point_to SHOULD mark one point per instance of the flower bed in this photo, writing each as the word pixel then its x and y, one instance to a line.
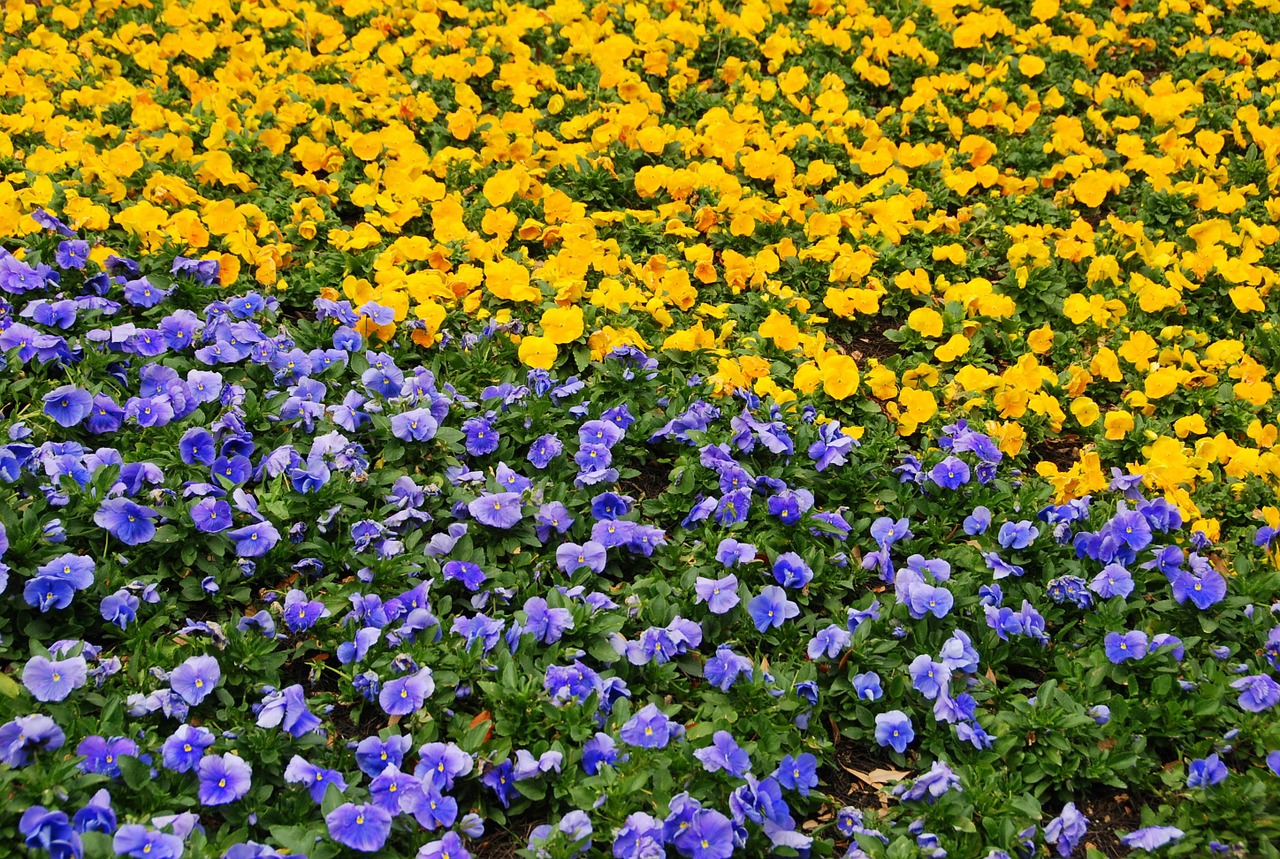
pixel 639 431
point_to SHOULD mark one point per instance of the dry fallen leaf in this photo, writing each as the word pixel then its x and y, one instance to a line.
pixel 877 777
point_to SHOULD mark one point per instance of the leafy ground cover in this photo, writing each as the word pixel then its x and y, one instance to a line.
pixel 551 429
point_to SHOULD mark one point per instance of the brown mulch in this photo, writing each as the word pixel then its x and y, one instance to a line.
pixel 653 480
pixel 1063 451
pixel 842 780
pixel 503 842
pixel 869 343
pixel 1110 813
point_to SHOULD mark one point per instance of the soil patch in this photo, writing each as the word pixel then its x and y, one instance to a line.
pixel 1110 813
pixel 1062 450
pixel 870 342
pixel 504 842
pixel 653 480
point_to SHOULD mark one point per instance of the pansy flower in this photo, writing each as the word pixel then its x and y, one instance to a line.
pixel 185 747
pixel 709 835
pixel 771 608
pixel 407 694
pixel 195 678
pixel 480 436
pixel 373 754
pixel 1258 692
pixel 255 540
pixel 1066 830
pixel 301 613
pixel 867 686
pixel 1125 646
pixel 724 669
pixel 649 728
pixel 102 755
pixel 830 642
pixel 571 557
pixel 54 679
pixel 431 808
pixel 951 473
pixel 315 779
pixel 720 595
pixel 138 842
pixel 442 763
pixel 68 405
pixel 22 737
pixel 1203 587
pixel 501 780
pixel 790 570
pixel 130 523
pixel 499 510
pixel 1017 535
pixel 363 827
pixel 96 815
pixel 894 729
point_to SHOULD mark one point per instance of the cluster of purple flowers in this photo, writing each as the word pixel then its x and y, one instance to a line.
pixel 318 470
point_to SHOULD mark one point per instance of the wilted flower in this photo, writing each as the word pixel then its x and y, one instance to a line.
pixel 1152 837
pixel 1066 830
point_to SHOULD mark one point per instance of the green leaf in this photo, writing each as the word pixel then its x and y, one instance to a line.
pixel 531 789
pixel 136 774
pixel 298 840
pixel 332 799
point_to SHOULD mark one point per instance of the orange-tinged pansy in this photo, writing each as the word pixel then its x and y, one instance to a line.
pixel 509 280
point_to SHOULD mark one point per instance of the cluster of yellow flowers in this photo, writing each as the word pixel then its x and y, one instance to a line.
pixel 1065 218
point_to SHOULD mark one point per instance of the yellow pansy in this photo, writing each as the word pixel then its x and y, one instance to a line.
pixel 1085 411
pixel 509 280
pixel 538 352
pixel 1118 424
pixel 925 321
pixel 840 375
pixel 562 325
pixel 954 349
pixel 1041 339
